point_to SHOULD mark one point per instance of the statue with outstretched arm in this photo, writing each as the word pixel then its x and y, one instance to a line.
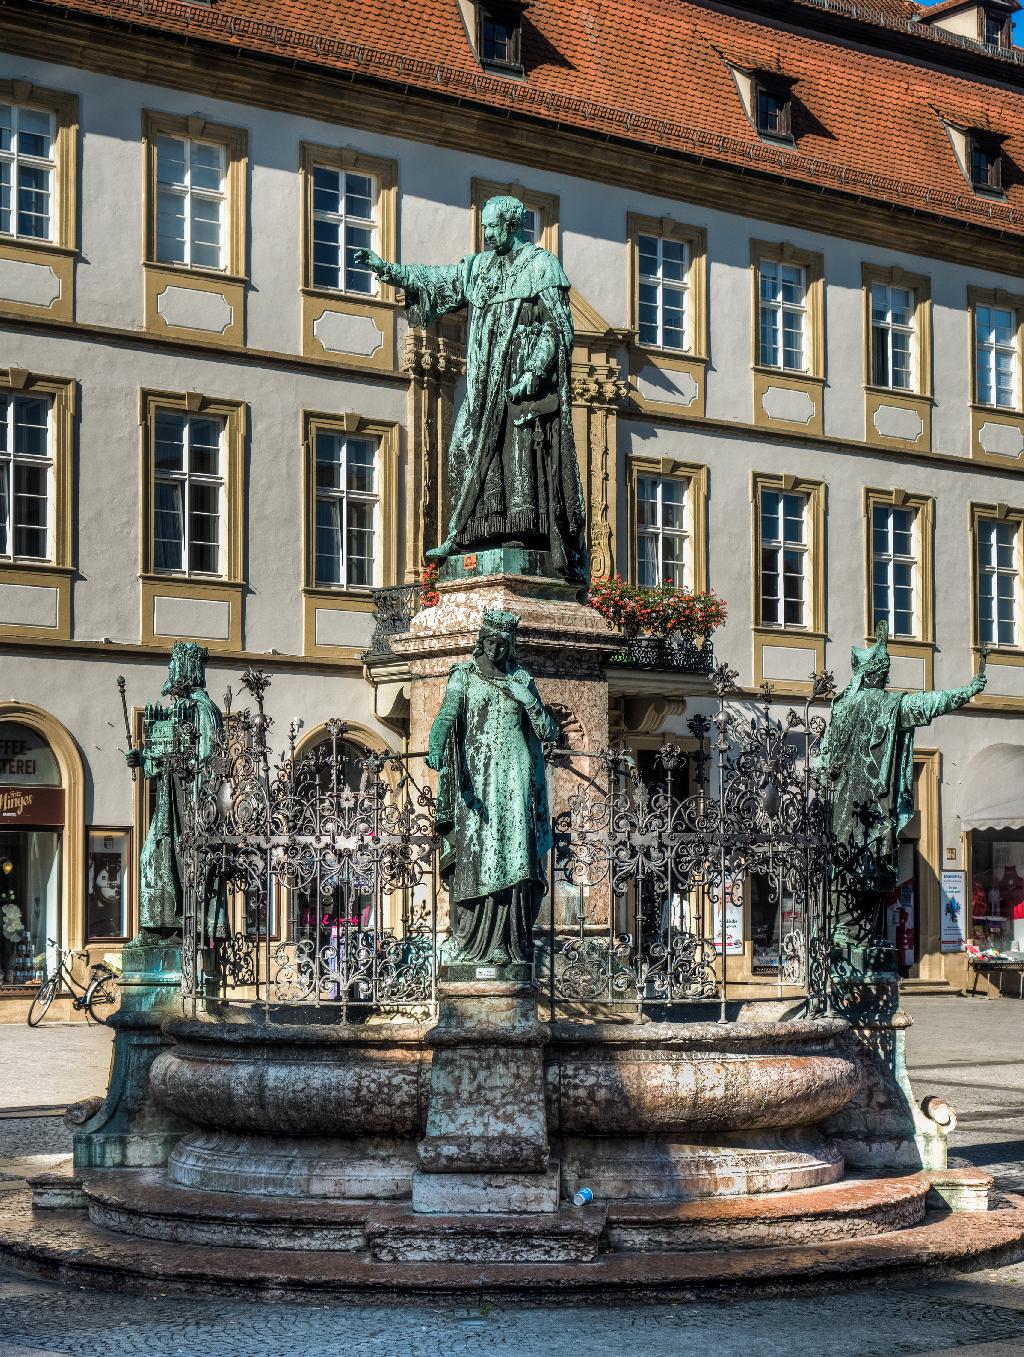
pixel 512 469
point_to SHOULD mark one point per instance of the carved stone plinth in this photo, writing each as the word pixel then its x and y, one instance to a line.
pixel 485 1150
pixel 131 1129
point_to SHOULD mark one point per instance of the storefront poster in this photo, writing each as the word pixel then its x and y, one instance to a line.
pixel 901 922
pixel 733 922
pixel 107 884
pixel 954 892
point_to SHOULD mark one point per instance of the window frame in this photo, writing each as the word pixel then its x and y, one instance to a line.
pixel 997 513
pixel 919 285
pixel 814 552
pixel 64 109
pixel 812 263
pixel 12 460
pixel 695 478
pixel 694 238
pixel 187 478
pixel 782 93
pixel 997 299
pixel 923 508
pixel 509 15
pixel 235 420
pixel 385 435
pixel 235 228
pixel 991 147
pixel 384 174
pixel 344 495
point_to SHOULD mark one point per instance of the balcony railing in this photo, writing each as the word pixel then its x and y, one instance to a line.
pixel 393 610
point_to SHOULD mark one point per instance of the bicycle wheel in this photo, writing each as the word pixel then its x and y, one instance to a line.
pixel 102 998
pixel 44 998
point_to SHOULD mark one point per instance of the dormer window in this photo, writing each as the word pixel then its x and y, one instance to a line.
pixel 997 29
pixel 982 21
pixel 774 110
pixel 499 36
pixel 986 164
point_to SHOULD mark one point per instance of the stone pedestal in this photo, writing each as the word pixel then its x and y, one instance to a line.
pixel 486 1145
pixel 130 1129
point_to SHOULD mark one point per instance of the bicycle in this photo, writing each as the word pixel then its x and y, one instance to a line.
pixel 100 995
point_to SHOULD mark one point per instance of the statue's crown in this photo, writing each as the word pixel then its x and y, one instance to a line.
pixel 500 622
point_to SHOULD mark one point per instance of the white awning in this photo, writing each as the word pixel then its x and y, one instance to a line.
pixel 992 792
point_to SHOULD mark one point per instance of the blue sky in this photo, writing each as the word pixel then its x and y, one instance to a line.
pixel 1018 23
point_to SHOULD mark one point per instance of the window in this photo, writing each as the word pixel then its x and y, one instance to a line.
pixel 343 222
pixel 783 315
pixel 499 37
pixel 894 569
pixel 784 557
pixel 196 211
pixel 662 286
pixel 28 168
pixel 661 531
pixel 26 474
pixel 998 564
pixel 774 111
pixel 892 337
pixel 996 34
pixel 347 500
pixel 188 501
pixel 986 164
pixel 996 356
pixel 191 202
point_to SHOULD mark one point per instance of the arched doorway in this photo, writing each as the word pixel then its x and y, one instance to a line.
pixel 42 801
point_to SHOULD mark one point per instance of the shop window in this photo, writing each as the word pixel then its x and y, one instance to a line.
pixel 997 889
pixel 107 887
pixel 31 830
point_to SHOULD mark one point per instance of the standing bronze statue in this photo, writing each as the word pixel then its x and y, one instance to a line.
pixel 161 889
pixel 513 476
pixel 869 751
pixel 492 803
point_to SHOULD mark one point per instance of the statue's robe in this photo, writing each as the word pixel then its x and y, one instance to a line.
pixel 161 878
pixel 492 812
pixel 512 472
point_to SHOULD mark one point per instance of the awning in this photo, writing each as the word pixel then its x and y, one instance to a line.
pixel 992 792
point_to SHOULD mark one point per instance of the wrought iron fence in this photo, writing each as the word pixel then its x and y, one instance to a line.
pixel 313 878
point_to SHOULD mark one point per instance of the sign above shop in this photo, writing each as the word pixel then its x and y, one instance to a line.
pixel 25 758
pixel 31 805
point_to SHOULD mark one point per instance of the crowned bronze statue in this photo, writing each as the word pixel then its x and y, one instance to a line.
pixel 513 476
pixel 187 724
pixel 492 803
pixel 868 752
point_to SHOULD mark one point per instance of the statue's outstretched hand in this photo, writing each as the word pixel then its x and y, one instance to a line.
pixel 133 758
pixel 371 260
pixel 978 683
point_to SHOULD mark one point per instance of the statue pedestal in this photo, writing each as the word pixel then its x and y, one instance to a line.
pixel 130 1129
pixel 486 1150
pixel 563 643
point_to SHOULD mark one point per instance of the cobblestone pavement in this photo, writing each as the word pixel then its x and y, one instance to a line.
pixel 971 1052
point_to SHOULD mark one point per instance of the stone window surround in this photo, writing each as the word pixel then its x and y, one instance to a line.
pixel 338 597
pixel 766 635
pixel 235 143
pixel 1004 514
pixel 59 252
pixel 57 572
pixel 696 478
pixel 921 646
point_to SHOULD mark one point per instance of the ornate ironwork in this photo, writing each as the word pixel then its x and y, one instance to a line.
pixel 393 610
pixel 684 653
pixel 323 867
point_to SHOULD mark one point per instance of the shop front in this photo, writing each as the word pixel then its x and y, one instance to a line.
pixel 992 816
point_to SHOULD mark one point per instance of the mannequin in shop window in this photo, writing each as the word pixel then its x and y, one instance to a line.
pixel 868 750
pixel 161 893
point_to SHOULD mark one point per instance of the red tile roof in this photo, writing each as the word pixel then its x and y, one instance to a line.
pixel 647 72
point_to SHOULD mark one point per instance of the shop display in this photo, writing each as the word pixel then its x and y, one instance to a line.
pixel 997 891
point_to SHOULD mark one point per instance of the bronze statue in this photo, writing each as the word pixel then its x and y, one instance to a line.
pixel 868 750
pixel 492 804
pixel 161 891
pixel 513 474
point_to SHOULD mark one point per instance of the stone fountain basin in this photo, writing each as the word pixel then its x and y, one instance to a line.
pixel 318 1078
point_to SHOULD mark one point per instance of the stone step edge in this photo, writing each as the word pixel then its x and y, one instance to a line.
pixel 64 1245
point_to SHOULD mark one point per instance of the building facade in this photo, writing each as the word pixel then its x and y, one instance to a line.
pixel 794 235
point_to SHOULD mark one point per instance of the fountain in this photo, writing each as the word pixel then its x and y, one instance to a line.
pixel 460 1020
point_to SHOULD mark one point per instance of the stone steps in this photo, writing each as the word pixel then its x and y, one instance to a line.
pixel 144 1204
pixel 68 1246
